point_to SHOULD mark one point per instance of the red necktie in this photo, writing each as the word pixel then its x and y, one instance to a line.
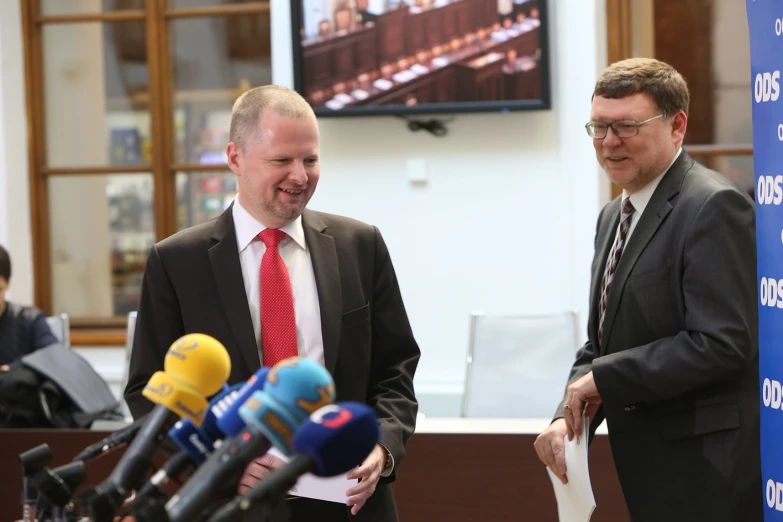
pixel 278 323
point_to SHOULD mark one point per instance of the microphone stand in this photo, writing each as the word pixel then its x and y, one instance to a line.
pixel 32 461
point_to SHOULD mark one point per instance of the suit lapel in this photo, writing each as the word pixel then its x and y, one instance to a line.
pixel 654 214
pixel 227 271
pixel 323 255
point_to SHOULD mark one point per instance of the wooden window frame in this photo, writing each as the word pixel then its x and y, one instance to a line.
pixel 108 331
pixel 618 29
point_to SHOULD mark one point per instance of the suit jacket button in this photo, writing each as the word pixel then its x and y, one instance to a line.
pixel 630 408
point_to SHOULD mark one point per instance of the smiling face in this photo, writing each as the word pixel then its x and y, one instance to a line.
pixel 633 162
pixel 279 169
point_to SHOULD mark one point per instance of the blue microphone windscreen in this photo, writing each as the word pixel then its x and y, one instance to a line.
pixel 227 412
pixel 294 389
pixel 270 418
pixel 209 430
pixel 300 386
pixel 338 437
pixel 188 439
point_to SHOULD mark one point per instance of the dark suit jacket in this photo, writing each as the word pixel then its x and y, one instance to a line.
pixel 678 366
pixel 193 284
pixel 23 330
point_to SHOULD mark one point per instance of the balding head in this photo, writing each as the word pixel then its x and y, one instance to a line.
pixel 250 106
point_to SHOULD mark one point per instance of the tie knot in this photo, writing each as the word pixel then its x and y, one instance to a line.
pixel 271 237
pixel 628 206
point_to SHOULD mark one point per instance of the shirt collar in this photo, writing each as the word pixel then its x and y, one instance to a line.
pixel 642 197
pixel 247 228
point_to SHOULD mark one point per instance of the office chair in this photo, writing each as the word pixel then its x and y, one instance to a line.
pixel 517 365
pixel 60 325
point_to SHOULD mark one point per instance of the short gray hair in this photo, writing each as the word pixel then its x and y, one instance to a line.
pixel 250 106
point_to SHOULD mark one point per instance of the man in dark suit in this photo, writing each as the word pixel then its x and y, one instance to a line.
pixel 671 360
pixel 271 279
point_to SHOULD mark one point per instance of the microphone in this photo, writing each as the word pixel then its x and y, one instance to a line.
pixel 227 412
pixel 294 388
pixel 56 486
pixel 116 440
pixel 32 461
pixel 198 443
pixel 209 429
pixel 195 367
pixel 288 389
pixel 190 440
pixel 195 444
pixel 119 438
pixel 174 466
pixel 334 440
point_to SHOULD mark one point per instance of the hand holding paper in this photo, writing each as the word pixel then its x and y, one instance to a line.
pixel 582 400
pixel 575 500
pixel 550 450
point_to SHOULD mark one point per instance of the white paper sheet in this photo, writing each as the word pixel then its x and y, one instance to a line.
pixel 331 489
pixel 575 500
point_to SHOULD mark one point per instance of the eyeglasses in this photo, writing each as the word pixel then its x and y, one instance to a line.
pixel 621 128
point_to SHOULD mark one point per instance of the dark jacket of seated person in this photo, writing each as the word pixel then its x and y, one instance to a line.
pixel 23 329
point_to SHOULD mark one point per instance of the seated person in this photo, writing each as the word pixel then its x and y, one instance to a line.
pixel 23 329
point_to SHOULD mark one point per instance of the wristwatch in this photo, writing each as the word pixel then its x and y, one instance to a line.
pixel 387 464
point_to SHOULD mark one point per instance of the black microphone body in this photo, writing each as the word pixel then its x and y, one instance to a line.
pixel 176 465
pixel 116 440
pixel 130 472
pixel 32 461
pixel 52 487
pixel 55 489
pixel 217 475
pixel 282 480
pixel 153 510
pixel 276 484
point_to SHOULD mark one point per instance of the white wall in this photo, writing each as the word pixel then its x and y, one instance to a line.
pixel 506 219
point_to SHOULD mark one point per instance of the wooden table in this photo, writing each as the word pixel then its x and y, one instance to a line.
pixel 487 470
pixel 456 470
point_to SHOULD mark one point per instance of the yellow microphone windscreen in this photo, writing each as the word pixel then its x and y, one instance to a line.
pixel 176 396
pixel 200 361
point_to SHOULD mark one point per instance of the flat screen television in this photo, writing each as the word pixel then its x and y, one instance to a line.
pixel 374 57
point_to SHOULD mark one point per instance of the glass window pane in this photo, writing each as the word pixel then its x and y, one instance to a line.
pixel 95 94
pixel 80 7
pixel 691 35
pixel 739 169
pixel 214 60
pixel 101 230
pixel 202 196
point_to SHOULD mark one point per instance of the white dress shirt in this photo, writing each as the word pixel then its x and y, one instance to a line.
pixel 642 197
pixel 296 257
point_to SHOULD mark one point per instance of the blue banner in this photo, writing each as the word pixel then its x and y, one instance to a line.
pixel 765 21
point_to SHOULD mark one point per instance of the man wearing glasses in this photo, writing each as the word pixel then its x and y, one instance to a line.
pixel 671 360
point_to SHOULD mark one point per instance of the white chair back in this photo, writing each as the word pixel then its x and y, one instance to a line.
pixel 126 368
pixel 518 365
pixel 60 325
